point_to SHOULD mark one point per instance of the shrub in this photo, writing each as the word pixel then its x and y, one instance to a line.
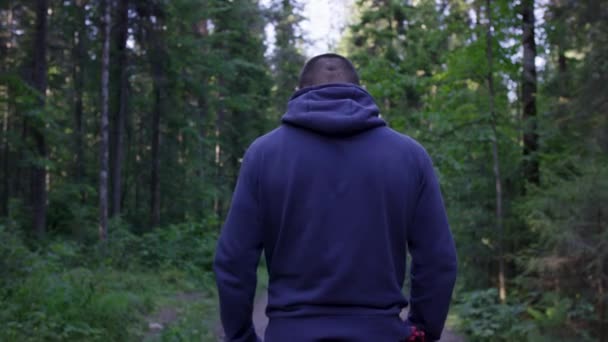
pixel 68 291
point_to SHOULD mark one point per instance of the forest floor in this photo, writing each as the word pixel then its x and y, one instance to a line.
pixel 178 317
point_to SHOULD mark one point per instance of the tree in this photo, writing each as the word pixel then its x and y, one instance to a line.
pixel 495 156
pixel 287 58
pixel 398 48
pixel 243 87
pixel 104 133
pixel 39 82
pixel 5 44
pixel 530 136
pixel 120 94
pixel 79 58
pixel 198 44
pixel 158 61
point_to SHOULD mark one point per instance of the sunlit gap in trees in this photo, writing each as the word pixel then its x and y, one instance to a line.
pixel 324 23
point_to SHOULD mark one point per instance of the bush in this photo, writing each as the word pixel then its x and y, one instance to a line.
pixel 570 256
pixel 483 318
pixel 529 317
pixel 67 291
pixel 184 246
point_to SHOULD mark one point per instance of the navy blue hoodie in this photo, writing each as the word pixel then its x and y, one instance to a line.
pixel 335 199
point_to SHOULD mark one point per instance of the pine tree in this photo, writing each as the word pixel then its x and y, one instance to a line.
pixel 530 138
pixel 287 58
pixel 104 149
pixel 39 82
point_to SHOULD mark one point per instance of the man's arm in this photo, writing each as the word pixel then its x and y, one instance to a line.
pixel 433 254
pixel 237 256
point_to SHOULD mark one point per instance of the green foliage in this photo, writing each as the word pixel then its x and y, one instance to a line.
pixel 66 291
pixel 531 317
pixel 186 247
pixel 568 218
pixel 287 58
pixel 483 318
pixel 196 321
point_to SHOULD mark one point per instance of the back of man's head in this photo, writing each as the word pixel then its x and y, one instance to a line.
pixel 327 68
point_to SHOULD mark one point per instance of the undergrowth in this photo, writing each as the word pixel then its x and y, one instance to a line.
pixel 72 291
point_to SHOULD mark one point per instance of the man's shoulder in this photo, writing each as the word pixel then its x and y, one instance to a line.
pixel 276 138
pixel 266 141
pixel 404 140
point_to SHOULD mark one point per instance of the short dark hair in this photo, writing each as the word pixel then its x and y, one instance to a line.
pixel 327 68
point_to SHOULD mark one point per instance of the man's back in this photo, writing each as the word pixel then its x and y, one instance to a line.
pixel 335 212
pixel 335 198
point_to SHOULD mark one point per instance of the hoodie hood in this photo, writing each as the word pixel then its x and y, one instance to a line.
pixel 333 109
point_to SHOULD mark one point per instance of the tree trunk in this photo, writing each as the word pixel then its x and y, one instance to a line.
pixel 530 134
pixel 601 285
pixel 23 173
pixel 121 95
pixel 201 31
pixel 103 144
pixel 219 155
pixel 140 142
pixel 5 155
pixel 39 80
pixel 502 289
pixel 155 180
pixel 78 73
pixel 6 96
pixel 138 123
pixel 158 74
pixel 202 104
pixel 561 61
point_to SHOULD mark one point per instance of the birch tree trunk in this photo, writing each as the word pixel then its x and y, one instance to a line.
pixel 502 289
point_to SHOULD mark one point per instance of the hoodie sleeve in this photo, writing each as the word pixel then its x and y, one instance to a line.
pixel 431 246
pixel 237 256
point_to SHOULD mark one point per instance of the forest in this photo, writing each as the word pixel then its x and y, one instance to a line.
pixel 123 124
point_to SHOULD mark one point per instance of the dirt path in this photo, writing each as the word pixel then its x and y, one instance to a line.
pixel 261 321
pixel 166 315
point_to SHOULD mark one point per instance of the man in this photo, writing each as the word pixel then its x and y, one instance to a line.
pixel 335 199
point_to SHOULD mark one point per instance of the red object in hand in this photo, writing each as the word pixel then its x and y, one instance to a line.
pixel 416 336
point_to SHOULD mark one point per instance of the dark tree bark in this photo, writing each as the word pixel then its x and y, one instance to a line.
pixel 39 82
pixel 23 173
pixel 155 179
pixel 201 31
pixel 78 73
pixel 139 136
pixel 158 59
pixel 530 134
pixel 5 96
pixel 202 104
pixel 139 140
pixel 502 288
pixel 121 99
pixel 103 144
pixel 5 156
pixel 219 156
pixel 562 62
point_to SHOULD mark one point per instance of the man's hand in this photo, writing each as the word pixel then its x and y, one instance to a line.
pixel 416 336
